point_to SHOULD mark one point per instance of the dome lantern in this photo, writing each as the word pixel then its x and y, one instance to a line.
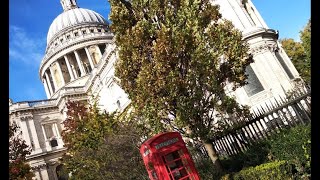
pixel 68 4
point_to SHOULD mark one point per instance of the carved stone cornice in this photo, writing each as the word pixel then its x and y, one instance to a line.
pixel 19 111
pixel 272 47
pixel 40 166
pixel 71 29
pixel 26 116
pixel 260 32
pixel 49 55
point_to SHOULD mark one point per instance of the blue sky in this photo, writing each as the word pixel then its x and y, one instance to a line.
pixel 29 21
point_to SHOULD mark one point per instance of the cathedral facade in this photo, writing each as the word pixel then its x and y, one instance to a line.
pixel 79 61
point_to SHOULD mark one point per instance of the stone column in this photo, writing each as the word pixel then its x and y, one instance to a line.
pixel 98 49
pixel 25 133
pixel 53 170
pixel 60 72
pixel 89 57
pixel 56 130
pixel 34 136
pixel 53 128
pixel 44 173
pixel 83 72
pixel 37 174
pixel 53 79
pixel 57 134
pixel 48 82
pixel 74 71
pixel 44 132
pixel 47 143
pixel 69 68
pixel 46 87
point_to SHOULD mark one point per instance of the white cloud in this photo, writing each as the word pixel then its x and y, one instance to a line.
pixel 23 48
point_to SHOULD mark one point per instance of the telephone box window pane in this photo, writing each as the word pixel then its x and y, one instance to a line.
pixel 172 156
pixel 154 175
pixel 254 86
pixel 175 165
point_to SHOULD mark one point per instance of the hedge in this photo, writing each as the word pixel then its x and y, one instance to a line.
pixel 274 170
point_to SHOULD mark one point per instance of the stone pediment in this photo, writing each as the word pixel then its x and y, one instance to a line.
pixel 47 120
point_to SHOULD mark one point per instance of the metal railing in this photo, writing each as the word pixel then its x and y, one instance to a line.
pixel 266 120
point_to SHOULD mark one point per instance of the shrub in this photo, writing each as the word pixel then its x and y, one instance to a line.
pixel 274 170
pixel 255 155
pixel 207 170
pixel 294 146
pixel 291 147
pixel 289 143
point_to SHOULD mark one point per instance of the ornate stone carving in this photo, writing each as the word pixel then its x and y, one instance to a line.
pixel 40 166
pixel 263 48
pixel 273 47
pixel 26 116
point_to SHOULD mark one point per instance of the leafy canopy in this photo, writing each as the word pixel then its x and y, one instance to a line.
pixel 300 52
pixel 176 59
pixel 18 150
pixel 99 147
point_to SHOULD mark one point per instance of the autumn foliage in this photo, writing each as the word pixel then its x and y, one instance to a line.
pixel 18 150
pixel 176 61
pixel 99 147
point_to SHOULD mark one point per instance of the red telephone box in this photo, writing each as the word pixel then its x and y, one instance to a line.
pixel 166 157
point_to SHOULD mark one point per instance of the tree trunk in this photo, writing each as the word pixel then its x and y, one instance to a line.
pixel 213 155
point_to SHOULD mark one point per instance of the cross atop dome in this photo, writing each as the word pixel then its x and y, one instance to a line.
pixel 68 4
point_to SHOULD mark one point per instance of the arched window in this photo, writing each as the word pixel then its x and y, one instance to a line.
pixel 254 86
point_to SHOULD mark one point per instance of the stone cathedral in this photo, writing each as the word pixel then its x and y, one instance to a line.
pixel 79 61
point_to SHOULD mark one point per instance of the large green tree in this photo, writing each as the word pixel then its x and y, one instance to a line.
pixel 305 37
pixel 300 52
pixel 99 147
pixel 18 150
pixel 177 58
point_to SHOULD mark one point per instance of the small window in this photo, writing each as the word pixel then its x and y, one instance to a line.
pixel 91 30
pixel 61 40
pixel 79 72
pixel 55 44
pixel 68 36
pixel 99 30
pixel 118 104
pixel 84 32
pixel 53 143
pixel 76 34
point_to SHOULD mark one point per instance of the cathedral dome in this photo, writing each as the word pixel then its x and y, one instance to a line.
pixel 71 18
